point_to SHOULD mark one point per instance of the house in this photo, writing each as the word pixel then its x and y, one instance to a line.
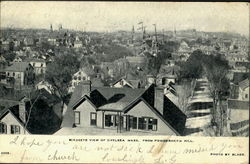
pixel 83 74
pixel 122 82
pixel 238 117
pixel 39 65
pixel 12 120
pixel 20 73
pixel 28 41
pixel 43 117
pixel 244 90
pixel 5 45
pixel 122 110
pixel 19 58
pixel 44 85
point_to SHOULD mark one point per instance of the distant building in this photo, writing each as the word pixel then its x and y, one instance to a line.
pixel 123 83
pixel 19 59
pixel 44 85
pixel 39 65
pixel 244 90
pixel 28 41
pixel 137 61
pixel 82 75
pixel 20 73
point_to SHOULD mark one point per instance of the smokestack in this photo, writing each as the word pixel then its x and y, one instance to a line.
pixel 159 99
pixel 22 109
pixel 86 87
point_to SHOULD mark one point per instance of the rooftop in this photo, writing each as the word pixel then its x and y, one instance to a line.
pixel 18 67
pixel 244 84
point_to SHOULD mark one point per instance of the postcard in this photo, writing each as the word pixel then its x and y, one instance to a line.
pixel 124 82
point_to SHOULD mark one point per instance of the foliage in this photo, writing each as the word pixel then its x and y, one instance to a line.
pixel 43 119
pixel 113 52
pixel 216 70
pixel 192 68
pixel 9 56
pixel 59 73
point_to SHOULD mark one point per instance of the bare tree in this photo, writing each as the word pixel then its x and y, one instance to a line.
pixel 216 70
pixel 184 92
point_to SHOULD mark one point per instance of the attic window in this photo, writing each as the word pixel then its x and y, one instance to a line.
pixel 15 129
pixel 3 128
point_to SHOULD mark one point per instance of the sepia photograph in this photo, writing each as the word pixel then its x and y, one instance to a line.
pixel 144 69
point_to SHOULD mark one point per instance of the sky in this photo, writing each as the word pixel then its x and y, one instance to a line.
pixel 112 16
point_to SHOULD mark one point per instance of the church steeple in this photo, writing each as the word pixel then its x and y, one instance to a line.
pixel 51 28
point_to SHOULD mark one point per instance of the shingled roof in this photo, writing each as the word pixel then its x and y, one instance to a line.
pixel 18 67
pixel 244 84
pixel 122 100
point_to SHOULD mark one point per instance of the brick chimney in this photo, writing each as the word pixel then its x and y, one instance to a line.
pixel 86 87
pixel 22 109
pixel 159 99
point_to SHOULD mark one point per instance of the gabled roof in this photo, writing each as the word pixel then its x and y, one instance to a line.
pixel 14 111
pixel 18 67
pixel 154 110
pixel 35 60
pixel 122 100
pixel 244 84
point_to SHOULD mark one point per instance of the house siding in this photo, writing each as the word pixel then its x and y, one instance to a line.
pixel 85 109
pixel 142 110
pixel 243 94
pixel 10 120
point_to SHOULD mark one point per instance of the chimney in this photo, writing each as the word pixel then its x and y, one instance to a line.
pixel 159 99
pixel 22 109
pixel 86 87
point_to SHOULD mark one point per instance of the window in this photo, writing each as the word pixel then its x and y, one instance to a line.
pixel 142 123
pixel 79 78
pixel 13 73
pixel 146 123
pixel 3 128
pixel 83 78
pixel 19 75
pixel 111 120
pixel 41 64
pixel 133 122
pixel 93 117
pixel 246 96
pixel 8 74
pixel 77 117
pixel 15 129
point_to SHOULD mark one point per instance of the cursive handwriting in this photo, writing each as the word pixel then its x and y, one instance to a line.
pixel 57 156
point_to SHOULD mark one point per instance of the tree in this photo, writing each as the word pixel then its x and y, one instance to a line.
pixel 192 68
pixel 183 93
pixel 59 74
pixel 216 70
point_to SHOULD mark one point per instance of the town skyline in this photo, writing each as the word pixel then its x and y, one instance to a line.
pixel 112 17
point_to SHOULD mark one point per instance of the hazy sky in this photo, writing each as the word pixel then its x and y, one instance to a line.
pixel 108 16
